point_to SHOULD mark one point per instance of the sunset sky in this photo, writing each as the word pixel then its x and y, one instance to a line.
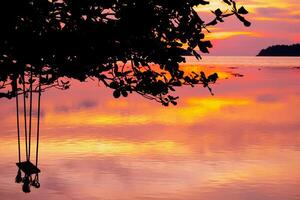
pixel 273 22
pixel 233 133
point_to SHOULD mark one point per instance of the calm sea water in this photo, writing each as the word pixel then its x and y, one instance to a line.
pixel 241 144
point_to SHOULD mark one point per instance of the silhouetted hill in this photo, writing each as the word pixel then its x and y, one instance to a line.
pixel 281 50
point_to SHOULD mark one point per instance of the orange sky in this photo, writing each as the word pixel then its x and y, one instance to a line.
pixel 273 22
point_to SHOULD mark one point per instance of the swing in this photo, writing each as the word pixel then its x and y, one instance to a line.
pixel 27 167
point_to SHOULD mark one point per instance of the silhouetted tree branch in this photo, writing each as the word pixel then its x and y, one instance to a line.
pixel 128 45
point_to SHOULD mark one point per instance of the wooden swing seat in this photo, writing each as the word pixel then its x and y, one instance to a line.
pixel 28 168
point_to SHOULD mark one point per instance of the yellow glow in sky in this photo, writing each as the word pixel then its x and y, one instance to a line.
pixel 226 34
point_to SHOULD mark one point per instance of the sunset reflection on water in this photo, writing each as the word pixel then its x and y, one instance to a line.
pixel 242 143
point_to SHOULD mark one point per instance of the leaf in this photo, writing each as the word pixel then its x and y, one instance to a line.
pixel 242 19
pixel 204 45
pixel 177 83
pixel 165 103
pixel 114 85
pixel 174 103
pixel 117 94
pixel 171 88
pixel 213 77
pixel 218 12
pixel 242 11
pixel 227 2
pixel 202 2
pixel 124 93
pixel 197 55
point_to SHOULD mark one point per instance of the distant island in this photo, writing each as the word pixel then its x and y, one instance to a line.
pixel 281 50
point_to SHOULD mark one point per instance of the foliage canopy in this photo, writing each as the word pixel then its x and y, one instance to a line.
pixel 116 42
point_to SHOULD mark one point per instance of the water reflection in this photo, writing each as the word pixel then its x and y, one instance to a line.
pixel 243 143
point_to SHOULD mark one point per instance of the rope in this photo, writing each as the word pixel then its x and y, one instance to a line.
pixel 18 125
pixel 25 116
pixel 38 125
pixel 30 117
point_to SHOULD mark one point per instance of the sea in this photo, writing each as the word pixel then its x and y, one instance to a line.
pixel 242 143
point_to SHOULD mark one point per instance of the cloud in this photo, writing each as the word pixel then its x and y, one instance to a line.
pixel 273 21
pixel 267 98
pixel 82 105
pixel 87 104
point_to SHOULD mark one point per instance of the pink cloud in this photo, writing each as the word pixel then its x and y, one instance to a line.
pixel 272 23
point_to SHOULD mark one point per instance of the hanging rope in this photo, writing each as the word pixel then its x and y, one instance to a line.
pixel 30 117
pixel 38 124
pixel 18 122
pixel 25 117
